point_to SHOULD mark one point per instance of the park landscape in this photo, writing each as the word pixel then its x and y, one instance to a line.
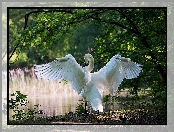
pixel 49 33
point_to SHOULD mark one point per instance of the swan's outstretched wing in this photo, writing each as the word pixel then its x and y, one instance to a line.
pixel 63 68
pixel 117 69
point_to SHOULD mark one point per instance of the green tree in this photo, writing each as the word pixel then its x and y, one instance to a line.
pixel 136 33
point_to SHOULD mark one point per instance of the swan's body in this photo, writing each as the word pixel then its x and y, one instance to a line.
pixel 86 83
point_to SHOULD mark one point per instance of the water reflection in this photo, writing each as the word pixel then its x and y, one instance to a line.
pixel 53 105
pixel 54 98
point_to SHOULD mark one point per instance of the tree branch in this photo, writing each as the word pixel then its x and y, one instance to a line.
pixel 146 44
pixel 116 23
pixel 26 21
pixel 138 33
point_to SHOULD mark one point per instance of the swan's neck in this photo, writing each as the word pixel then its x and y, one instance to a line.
pixel 90 67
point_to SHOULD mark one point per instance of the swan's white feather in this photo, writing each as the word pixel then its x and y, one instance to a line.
pixel 86 83
pixel 63 68
pixel 91 93
pixel 116 70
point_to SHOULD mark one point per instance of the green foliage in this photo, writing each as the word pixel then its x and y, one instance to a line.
pixel 138 33
pixel 20 114
pixel 141 35
pixel 106 98
pixel 19 100
pixel 80 107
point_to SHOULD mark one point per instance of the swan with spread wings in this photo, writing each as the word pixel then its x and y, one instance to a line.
pixel 86 83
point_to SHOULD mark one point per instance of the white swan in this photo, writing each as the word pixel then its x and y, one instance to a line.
pixel 86 83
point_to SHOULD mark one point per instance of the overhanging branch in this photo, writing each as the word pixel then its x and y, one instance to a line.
pixel 26 21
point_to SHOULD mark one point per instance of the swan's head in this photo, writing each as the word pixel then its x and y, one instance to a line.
pixel 88 58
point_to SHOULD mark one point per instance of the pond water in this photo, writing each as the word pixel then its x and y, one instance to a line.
pixel 54 98
pixel 53 105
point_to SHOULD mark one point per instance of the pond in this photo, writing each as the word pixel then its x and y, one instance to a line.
pixel 53 97
pixel 53 105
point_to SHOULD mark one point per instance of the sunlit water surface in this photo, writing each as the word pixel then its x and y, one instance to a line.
pixel 53 105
